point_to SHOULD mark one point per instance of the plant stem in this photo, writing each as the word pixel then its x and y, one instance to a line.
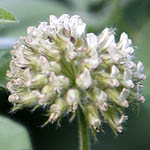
pixel 83 131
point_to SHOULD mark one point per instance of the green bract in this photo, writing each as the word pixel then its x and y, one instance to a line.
pixel 60 67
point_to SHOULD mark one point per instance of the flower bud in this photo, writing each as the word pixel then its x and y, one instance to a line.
pixel 118 122
pixel 118 99
pixel 128 79
pixel 92 62
pixel 124 41
pixel 84 80
pixel 56 110
pixel 140 68
pixel 114 71
pixel 73 99
pixel 107 80
pixel 37 81
pixel 100 98
pixel 77 26
pixel 93 118
pixel 13 98
pixel 92 41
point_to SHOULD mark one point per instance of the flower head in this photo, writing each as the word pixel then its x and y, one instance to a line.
pixel 60 67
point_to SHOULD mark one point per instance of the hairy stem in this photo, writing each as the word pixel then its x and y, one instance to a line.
pixel 83 131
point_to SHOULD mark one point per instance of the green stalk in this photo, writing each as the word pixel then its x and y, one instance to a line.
pixel 83 131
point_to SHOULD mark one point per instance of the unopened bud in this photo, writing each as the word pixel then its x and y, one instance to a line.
pixel 72 99
pixel 84 80
pixel 37 81
pixel 13 98
pixel 57 109
pixel 93 117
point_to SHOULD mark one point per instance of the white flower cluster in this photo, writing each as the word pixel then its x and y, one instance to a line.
pixel 60 67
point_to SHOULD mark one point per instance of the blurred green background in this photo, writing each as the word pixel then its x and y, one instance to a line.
pixel 22 130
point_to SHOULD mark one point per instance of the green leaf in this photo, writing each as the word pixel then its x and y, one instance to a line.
pixel 4 66
pixel 6 17
pixel 13 136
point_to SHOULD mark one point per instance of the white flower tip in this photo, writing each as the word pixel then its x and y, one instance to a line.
pixel 92 63
pixel 29 40
pixel 115 83
pixel 73 107
pixel 104 34
pixel 73 99
pixel 119 128
pixel 128 78
pixel 117 58
pixel 77 26
pixel 122 119
pixel 53 19
pixel 53 117
pixel 9 74
pixel 123 36
pixel 71 54
pixel 114 71
pixel 143 77
pixel 124 93
pixel 27 84
pixel 84 80
pixel 91 40
pixel 124 42
pixel 127 74
pixel 80 28
pixel 140 67
pixel 103 96
pixel 43 26
pixel 55 112
pixel 141 99
pixel 103 106
pixel 30 30
pixel 64 19
pixel 13 97
pixel 130 50
pixel 131 65
pixel 124 103
pixel 96 124
pixel 130 84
